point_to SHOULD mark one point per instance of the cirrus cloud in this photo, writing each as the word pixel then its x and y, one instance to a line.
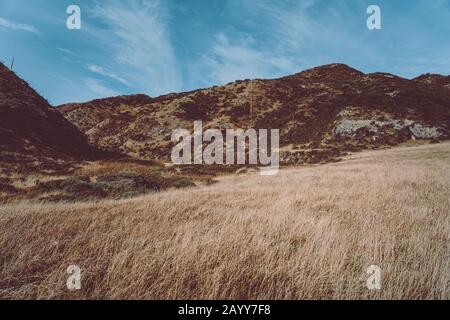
pixel 18 26
pixel 136 33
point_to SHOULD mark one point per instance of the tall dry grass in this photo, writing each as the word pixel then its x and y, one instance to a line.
pixel 304 234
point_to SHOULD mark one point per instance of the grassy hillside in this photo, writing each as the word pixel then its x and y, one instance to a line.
pixel 321 113
pixel 309 232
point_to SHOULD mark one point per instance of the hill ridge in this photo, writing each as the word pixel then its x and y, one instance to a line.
pixel 327 109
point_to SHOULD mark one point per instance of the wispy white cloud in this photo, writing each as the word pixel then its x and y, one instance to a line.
pixel 18 26
pixel 307 30
pixel 137 36
pixel 101 71
pixel 228 61
pixel 67 51
pixel 293 36
pixel 98 89
pixel 289 25
pixel 286 32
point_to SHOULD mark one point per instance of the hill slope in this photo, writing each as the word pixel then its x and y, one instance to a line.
pixel 321 113
pixel 434 79
pixel 306 233
pixel 33 133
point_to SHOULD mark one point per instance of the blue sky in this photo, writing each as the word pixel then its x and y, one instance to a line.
pixel 157 47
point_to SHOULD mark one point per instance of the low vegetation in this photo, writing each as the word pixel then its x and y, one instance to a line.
pixel 306 233
pixel 97 180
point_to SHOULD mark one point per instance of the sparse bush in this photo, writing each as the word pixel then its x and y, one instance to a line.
pixel 115 186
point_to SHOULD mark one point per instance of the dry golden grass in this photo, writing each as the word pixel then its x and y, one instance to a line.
pixel 306 233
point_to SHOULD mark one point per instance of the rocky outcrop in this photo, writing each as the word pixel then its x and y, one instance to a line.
pixel 350 128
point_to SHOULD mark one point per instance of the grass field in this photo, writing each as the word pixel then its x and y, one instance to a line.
pixel 307 233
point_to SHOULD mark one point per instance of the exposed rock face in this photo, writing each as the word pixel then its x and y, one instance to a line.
pixel 350 128
pixel 31 131
pixel 328 108
pixel 421 132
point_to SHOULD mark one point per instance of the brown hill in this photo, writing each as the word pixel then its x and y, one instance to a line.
pixel 32 133
pixel 321 112
pixel 434 79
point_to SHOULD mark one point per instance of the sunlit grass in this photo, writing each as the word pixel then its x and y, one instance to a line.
pixel 306 233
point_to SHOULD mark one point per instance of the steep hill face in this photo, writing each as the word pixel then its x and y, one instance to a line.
pixel 32 133
pixel 320 112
